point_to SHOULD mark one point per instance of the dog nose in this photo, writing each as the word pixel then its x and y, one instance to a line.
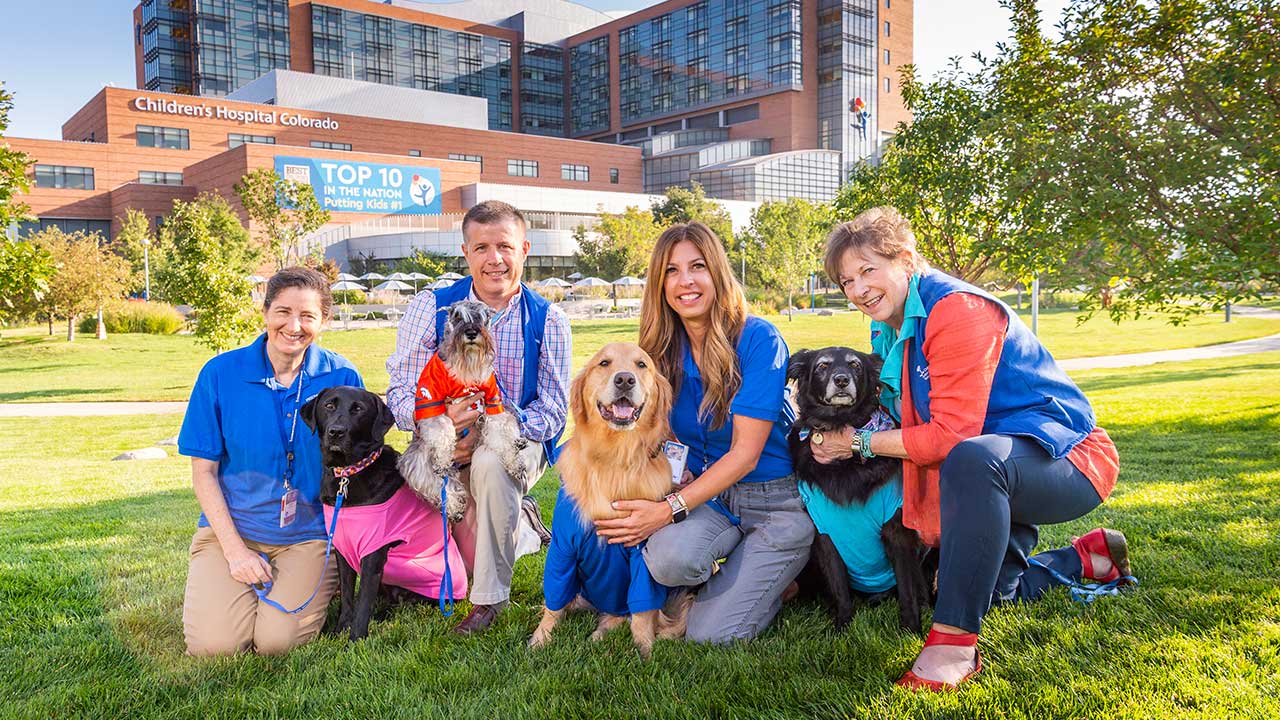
pixel 336 431
pixel 841 381
pixel 624 381
pixel 471 333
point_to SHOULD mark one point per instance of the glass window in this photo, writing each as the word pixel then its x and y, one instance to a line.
pixel 157 177
pixel 326 145
pixel 886 57
pixel 163 137
pixel 238 139
pixel 64 177
pixel 576 173
pixel 415 153
pixel 468 158
pixel 886 84
pixel 886 28
pixel 522 168
pixel 613 176
pixel 745 113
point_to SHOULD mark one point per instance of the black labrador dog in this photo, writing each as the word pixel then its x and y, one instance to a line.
pixel 351 423
pixel 838 387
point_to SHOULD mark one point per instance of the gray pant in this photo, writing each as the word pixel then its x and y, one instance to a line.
pixel 765 553
pixel 493 532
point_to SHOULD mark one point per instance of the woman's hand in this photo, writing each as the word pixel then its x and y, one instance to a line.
pixel 644 518
pixel 836 445
pixel 247 566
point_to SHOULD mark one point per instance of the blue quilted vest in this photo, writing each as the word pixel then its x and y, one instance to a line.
pixel 533 310
pixel 1030 395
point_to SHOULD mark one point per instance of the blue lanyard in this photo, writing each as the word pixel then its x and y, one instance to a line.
pixel 293 428
pixel 264 589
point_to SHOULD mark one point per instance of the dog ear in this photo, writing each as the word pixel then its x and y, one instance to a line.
pixel 577 403
pixel 308 411
pixel 798 367
pixel 385 420
pixel 874 364
pixel 662 388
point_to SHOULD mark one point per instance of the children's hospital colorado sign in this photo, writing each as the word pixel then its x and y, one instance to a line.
pixel 222 112
pixel 345 186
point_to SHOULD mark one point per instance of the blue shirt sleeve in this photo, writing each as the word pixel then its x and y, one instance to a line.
pixel 201 434
pixel 762 359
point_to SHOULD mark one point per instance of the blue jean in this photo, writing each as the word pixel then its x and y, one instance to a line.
pixel 995 490
pixel 765 553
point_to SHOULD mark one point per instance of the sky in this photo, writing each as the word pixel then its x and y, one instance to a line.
pixel 55 55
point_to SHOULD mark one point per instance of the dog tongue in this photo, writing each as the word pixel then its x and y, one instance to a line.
pixel 623 411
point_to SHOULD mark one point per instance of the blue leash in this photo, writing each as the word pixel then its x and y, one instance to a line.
pixel 446 583
pixel 1083 592
pixel 264 589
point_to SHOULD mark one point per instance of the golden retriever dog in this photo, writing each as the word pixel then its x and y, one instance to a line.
pixel 621 409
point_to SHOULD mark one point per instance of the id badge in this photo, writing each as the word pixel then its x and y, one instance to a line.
pixel 288 507
pixel 677 454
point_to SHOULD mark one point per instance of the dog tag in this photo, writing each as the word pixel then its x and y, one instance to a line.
pixel 677 454
pixel 288 507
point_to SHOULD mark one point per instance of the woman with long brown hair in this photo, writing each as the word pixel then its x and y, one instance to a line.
pixel 728 370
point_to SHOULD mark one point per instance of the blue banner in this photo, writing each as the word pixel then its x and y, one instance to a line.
pixel 349 186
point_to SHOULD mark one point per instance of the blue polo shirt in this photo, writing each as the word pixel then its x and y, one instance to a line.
pixel 240 418
pixel 762 360
pixel 613 578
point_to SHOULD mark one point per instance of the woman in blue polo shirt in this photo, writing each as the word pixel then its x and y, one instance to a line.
pixel 240 430
pixel 729 371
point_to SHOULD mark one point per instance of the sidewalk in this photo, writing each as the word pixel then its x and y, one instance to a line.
pixel 86 409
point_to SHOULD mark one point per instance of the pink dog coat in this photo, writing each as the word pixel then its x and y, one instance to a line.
pixel 416 564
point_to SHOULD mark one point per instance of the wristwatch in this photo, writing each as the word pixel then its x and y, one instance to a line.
pixel 679 510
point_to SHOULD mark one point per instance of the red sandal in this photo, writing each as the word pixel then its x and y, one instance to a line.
pixel 911 681
pixel 1108 543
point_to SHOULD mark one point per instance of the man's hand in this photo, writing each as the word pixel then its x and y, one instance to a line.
pixel 463 411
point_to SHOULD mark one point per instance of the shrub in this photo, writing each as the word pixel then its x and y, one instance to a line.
pixel 136 316
pixel 348 297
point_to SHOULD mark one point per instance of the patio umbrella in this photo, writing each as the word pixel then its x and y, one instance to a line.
pixel 347 276
pixel 346 285
pixel 417 278
pixel 441 283
pixel 400 276
pixel 373 276
pixel 574 276
pixel 590 282
pixel 451 276
pixel 628 281
pixel 553 282
pixel 256 279
pixel 393 285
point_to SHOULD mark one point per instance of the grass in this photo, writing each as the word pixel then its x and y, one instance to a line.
pixel 93 561
pixel 37 368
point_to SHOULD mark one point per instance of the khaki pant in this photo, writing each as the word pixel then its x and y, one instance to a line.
pixel 223 616
pixel 493 532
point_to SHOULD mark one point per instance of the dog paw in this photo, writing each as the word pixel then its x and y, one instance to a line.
pixel 540 639
pixel 645 649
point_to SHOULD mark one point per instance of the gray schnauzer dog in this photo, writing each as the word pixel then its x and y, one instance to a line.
pixel 462 366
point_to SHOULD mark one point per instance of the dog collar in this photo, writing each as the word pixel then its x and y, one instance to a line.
pixel 350 470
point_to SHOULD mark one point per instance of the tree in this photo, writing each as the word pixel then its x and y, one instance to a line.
pixel 682 206
pixel 422 261
pixel 620 245
pixel 87 275
pixel 208 269
pixel 1153 158
pixel 785 241
pixel 137 244
pixel 13 169
pixel 25 271
pixel 943 172
pixel 284 211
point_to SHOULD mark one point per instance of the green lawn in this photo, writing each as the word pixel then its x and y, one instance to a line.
pixel 35 367
pixel 93 558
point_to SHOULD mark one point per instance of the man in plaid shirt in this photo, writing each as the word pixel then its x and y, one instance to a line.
pixel 501 522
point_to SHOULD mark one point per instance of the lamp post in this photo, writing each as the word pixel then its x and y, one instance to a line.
pixel 146 268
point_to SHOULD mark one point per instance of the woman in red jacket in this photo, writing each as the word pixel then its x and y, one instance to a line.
pixel 995 439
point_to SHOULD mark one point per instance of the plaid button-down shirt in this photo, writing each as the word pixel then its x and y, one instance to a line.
pixel 416 343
